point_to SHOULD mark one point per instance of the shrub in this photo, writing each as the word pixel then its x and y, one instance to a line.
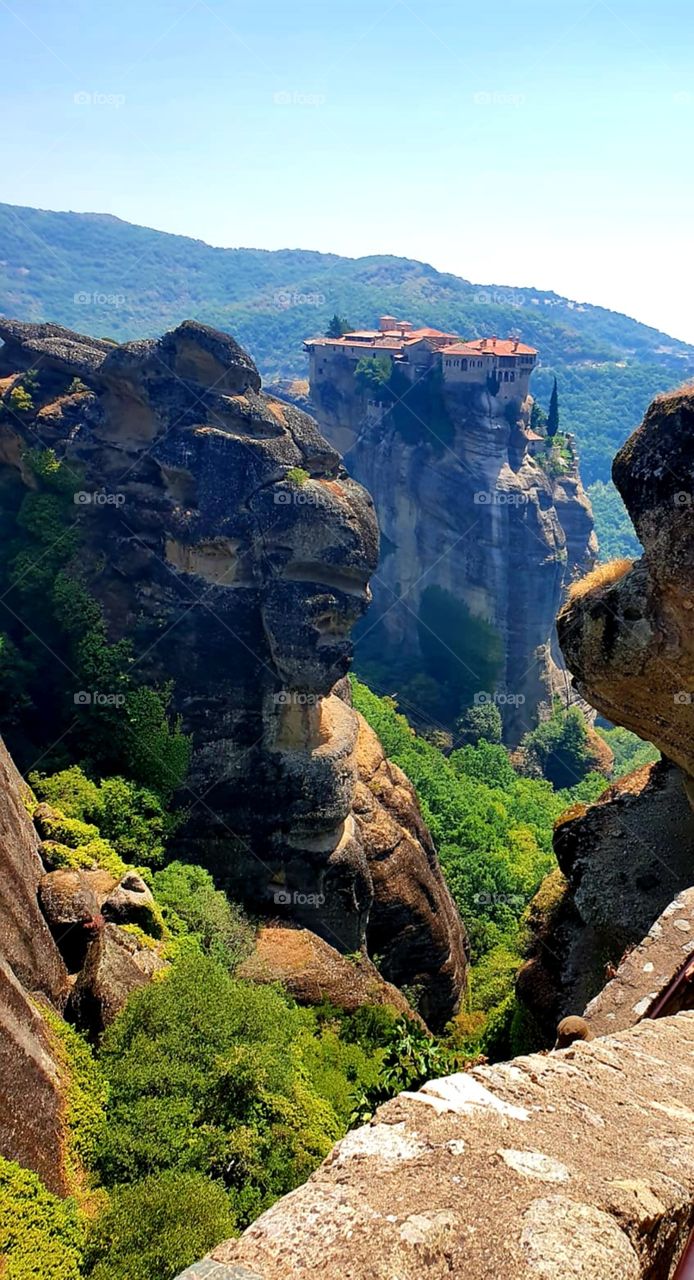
pixel 193 905
pixel 130 817
pixel 561 747
pixel 158 1227
pixel 206 1076
pixel 40 1234
pixel 86 1093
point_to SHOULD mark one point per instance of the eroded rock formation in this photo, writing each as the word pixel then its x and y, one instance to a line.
pixel 479 517
pixel 622 860
pixel 231 547
pixel 628 635
pixel 579 1163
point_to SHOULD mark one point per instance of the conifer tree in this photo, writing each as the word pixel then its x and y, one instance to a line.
pixel 553 415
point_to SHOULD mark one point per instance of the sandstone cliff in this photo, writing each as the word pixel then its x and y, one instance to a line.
pixel 477 515
pixel 627 636
pixel 221 534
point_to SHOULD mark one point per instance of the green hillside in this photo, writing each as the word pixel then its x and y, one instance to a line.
pixel 103 276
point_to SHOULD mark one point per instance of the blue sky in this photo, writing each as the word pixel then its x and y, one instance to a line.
pixel 521 142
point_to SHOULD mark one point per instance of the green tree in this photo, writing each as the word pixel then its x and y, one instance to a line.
pixel 479 722
pixel 158 1227
pixel 561 748
pixel 553 414
pixel 337 327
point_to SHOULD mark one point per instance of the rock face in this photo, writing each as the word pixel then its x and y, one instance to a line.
pixel 231 547
pixel 623 860
pixel 646 981
pixel 627 635
pixel 313 972
pixel 31 1095
pixel 578 1164
pixel 26 944
pixel 413 919
pixel 480 518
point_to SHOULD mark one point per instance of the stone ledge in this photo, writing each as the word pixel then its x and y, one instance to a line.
pixel 573 1164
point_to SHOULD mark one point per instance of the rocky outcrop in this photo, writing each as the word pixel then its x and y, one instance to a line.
pixel 579 1163
pixel 223 537
pixel 655 978
pixel 627 631
pixel 480 517
pixel 26 944
pixel 116 964
pixel 622 861
pixel 32 1098
pixel 313 972
pixel 31 1094
pixel 412 921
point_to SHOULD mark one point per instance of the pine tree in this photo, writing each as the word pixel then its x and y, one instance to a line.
pixel 337 327
pixel 553 415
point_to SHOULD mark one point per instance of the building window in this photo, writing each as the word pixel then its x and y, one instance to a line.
pixel 512 378
pixel 464 365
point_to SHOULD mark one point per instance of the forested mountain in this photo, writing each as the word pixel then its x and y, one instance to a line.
pixel 106 277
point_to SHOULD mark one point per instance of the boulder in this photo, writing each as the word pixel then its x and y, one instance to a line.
pixel 313 972
pixel 131 902
pixel 117 963
pixel 576 1164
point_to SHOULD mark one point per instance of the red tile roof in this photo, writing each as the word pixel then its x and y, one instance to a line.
pixel 490 347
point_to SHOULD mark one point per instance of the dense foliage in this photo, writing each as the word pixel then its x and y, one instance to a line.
pixel 55 655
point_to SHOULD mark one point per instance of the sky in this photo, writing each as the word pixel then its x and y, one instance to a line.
pixel 545 143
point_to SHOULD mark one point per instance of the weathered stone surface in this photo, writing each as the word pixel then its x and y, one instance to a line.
pixel 312 971
pixel 31 1093
pixel 579 1163
pixel 623 861
pixel 628 637
pixel 25 940
pixel 131 902
pixel 116 965
pixel 236 559
pixel 71 904
pixel 412 924
pixel 646 972
pixel 477 516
